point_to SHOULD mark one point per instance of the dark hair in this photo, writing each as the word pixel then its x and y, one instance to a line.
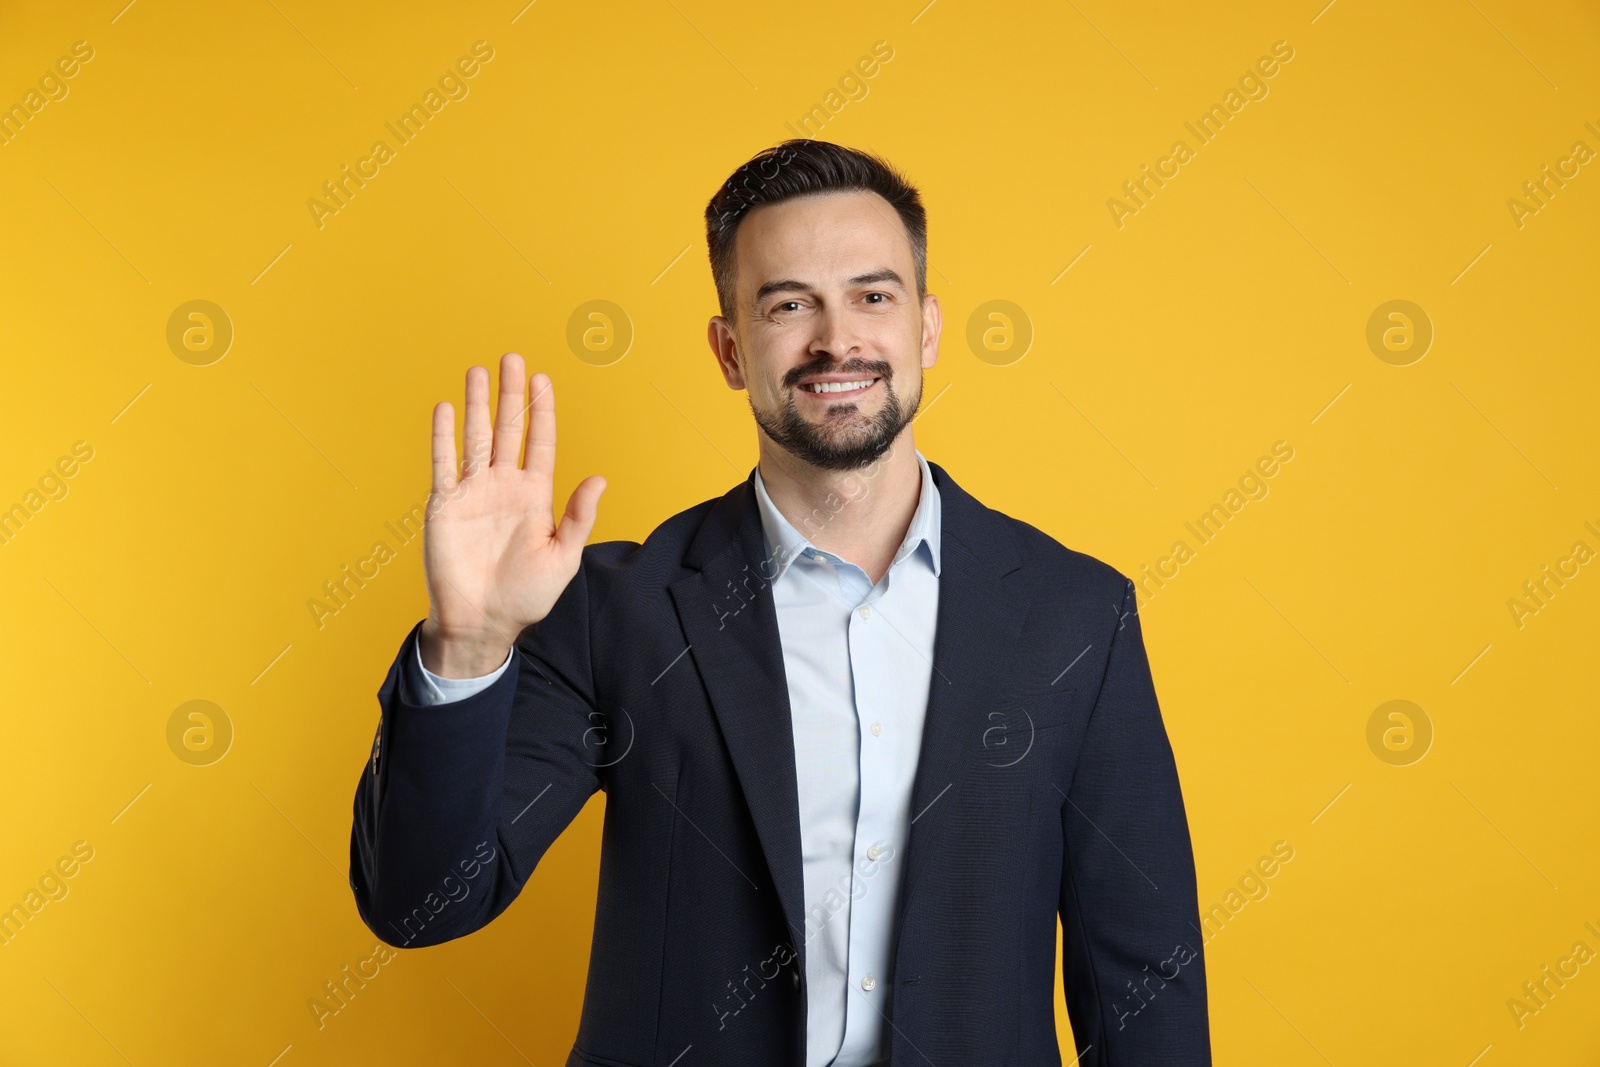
pixel 804 167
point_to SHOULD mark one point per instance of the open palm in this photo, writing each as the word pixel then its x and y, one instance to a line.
pixel 495 558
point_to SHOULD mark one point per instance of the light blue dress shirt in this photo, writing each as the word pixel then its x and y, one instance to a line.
pixel 858 659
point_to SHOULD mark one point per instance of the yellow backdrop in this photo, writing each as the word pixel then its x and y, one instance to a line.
pixel 1285 310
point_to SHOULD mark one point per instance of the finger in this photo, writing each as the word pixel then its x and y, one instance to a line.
pixel 444 447
pixel 542 428
pixel 583 507
pixel 509 411
pixel 475 440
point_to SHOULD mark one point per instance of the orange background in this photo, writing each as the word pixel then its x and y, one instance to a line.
pixel 1165 356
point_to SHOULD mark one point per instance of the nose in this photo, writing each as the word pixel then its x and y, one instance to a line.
pixel 836 335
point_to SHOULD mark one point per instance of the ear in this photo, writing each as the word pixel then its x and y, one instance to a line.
pixel 725 346
pixel 932 325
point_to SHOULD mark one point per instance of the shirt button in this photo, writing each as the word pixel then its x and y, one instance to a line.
pixel 866 611
pixel 868 983
pixel 877 728
pixel 874 852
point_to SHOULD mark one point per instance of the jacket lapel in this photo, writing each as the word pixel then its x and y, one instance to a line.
pixel 730 621
pixel 979 618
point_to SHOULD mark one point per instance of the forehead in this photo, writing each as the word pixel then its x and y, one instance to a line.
pixel 821 238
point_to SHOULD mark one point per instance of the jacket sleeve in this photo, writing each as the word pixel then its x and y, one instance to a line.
pixel 1132 957
pixel 460 801
pixel 430 689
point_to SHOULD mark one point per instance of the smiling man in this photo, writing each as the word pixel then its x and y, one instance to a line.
pixel 864 741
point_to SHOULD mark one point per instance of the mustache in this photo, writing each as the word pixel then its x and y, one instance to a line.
pixel 877 368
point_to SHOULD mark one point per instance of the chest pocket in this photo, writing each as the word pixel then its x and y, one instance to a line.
pixel 1013 727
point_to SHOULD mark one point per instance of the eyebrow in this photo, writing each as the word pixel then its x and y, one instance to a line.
pixel 783 285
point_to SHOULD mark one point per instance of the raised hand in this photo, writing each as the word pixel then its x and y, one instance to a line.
pixel 494 558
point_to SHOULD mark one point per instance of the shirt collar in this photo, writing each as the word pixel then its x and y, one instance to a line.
pixel 785 543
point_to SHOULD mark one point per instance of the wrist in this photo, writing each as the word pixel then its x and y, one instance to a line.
pixel 454 654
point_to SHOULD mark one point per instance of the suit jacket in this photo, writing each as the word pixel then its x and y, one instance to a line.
pixel 1046 787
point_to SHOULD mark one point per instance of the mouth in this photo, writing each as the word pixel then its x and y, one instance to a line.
pixel 837 388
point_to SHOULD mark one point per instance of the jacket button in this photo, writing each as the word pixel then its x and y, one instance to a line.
pixel 795 974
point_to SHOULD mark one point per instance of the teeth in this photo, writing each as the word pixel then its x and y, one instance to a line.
pixel 838 387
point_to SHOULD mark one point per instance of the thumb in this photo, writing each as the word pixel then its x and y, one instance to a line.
pixel 582 509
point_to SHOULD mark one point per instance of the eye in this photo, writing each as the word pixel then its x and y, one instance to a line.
pixel 884 295
pixel 786 305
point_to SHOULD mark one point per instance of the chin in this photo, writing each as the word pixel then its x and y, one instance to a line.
pixel 856 434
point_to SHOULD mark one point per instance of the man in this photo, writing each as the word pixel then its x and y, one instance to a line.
pixel 862 739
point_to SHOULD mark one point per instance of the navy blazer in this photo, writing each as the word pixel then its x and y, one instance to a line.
pixel 1046 787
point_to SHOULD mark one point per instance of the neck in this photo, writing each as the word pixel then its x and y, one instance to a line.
pixel 860 515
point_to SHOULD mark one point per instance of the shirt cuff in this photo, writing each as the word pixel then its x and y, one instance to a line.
pixel 431 689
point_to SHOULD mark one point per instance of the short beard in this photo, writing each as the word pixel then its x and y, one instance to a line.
pixel 805 442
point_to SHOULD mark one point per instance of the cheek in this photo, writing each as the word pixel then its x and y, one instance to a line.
pixel 766 366
pixel 901 345
pixel 763 381
pixel 777 393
